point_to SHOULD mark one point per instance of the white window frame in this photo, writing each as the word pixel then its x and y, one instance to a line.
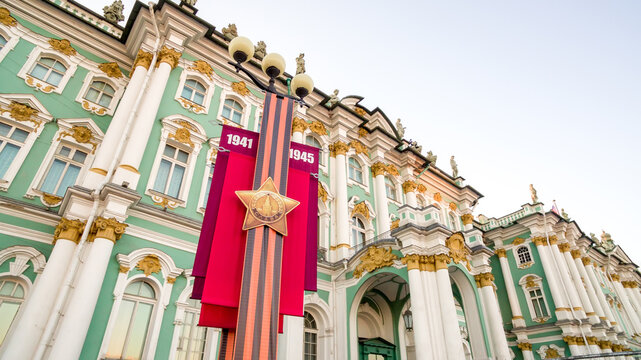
pixel 369 227
pixel 314 331
pixel 397 190
pixel 538 284
pixel 211 161
pixel 209 84
pixel 519 264
pixel 171 124
pixel 118 85
pixel 71 62
pixel 353 228
pixel 246 101
pixel 244 119
pixel 34 128
pixel 12 40
pixel 324 149
pixel 62 136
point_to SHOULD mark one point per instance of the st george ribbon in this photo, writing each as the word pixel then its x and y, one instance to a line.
pixel 257 250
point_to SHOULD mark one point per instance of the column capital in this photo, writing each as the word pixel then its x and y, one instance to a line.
pixel 565 247
pixel 169 56
pixel 467 219
pixel 68 230
pixel 524 346
pixel 500 253
pixel 142 59
pixel 592 340
pixel 484 279
pixel 409 186
pixel 429 263
pixel 338 148
pixel 553 239
pixel 576 253
pixel 604 344
pixel 441 261
pixel 570 340
pixel 412 261
pixel 586 261
pixel 617 347
pixel 629 284
pixel 378 168
pixel 299 125
pixel 110 229
pixel 615 277
pixel 539 240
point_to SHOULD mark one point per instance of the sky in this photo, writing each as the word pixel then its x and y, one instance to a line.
pixel 521 92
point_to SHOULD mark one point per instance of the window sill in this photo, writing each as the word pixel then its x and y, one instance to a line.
pixel 192 106
pixel 164 200
pixel 525 265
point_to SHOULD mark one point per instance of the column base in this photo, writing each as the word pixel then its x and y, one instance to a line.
pixel 518 322
pixel 563 314
pixel 126 175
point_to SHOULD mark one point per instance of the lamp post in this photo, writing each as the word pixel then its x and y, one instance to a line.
pixel 256 333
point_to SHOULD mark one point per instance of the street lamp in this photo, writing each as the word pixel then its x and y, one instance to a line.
pixel 241 49
pixel 409 321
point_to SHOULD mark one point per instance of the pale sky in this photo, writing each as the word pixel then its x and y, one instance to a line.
pixel 543 92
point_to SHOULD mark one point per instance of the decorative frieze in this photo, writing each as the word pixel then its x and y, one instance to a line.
pixel 409 186
pixel 143 59
pixel 629 284
pixel 68 230
pixel 518 241
pixel 338 148
pixel 169 56
pixel 111 69
pixel 375 258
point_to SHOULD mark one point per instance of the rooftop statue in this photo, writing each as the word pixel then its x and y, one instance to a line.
pixel 333 99
pixel 114 12
pixel 419 148
pixel 300 64
pixel 564 214
pixel 431 158
pixel 535 198
pixel 606 241
pixel 400 128
pixel 483 219
pixel 260 50
pixel 190 2
pixel 230 31
pixel 454 167
pixel 595 239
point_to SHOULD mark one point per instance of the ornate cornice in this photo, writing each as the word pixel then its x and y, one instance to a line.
pixel 412 261
pixel 375 258
pixel 169 56
pixel 467 219
pixel 63 46
pixel 143 59
pixel 110 229
pixel 6 18
pixel 484 279
pixel 299 125
pixel 409 186
pixel 338 148
pixel 378 168
pixel 358 146
pixel 149 264
pixel 111 69
pixel 441 261
pixel 68 230
pixel 501 253
pixel 360 111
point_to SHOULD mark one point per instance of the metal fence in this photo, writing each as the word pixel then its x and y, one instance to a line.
pixel 613 356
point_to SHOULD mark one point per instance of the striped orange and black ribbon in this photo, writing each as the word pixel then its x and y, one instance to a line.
pixel 257 328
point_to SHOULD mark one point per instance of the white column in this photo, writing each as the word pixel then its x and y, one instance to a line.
pixel 432 306
pixel 451 331
pixel 526 350
pixel 105 154
pixel 421 332
pixel 501 350
pixel 75 322
pixel 132 155
pixel 566 280
pixel 594 300
pixel 342 237
pixel 578 285
pixel 575 349
pixel 382 213
pixel 22 341
pixel 291 342
pixel 623 296
pixel 593 344
pixel 298 128
pixel 551 275
pixel 599 292
pixel 517 315
pixel 630 289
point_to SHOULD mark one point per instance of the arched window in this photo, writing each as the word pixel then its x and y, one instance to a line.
pixel 420 201
pixel 49 70
pixel 312 141
pixel 355 170
pixel 194 91
pixel 101 93
pixel 3 42
pixel 64 169
pixel 310 350
pixel 538 302
pixel 523 255
pixel 452 221
pixel 11 297
pixel 129 334
pixel 12 139
pixel 390 188
pixel 192 339
pixel 171 171
pixel 358 231
pixel 233 111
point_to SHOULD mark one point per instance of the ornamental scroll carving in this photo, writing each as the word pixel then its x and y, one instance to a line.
pixel 362 132
pixel 68 230
pixel 81 134
pixel 240 88
pixel 169 56
pixel 392 170
pixel 322 193
pixel 358 146
pixel 110 229
pixel 299 125
pixel 204 68
pixel 438 197
pixel 318 128
pixel 98 110
pixel 22 112
pixel 150 264
pixel 63 46
pixel 51 200
pixel 361 208
pixel 421 188
pixel 182 135
pixel 484 279
pixel 467 219
pixel 111 69
pixel 375 258
pixel 458 251
pixel 395 224
pixel 6 18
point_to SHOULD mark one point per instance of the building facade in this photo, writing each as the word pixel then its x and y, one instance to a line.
pixel 108 140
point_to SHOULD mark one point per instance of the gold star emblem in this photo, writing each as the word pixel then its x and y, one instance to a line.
pixel 266 206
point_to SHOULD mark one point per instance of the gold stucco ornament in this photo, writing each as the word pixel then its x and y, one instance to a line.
pixel 358 146
pixel 149 264
pixel 111 69
pixel 361 208
pixel 6 18
pixel 240 88
pixel 298 125
pixel 81 134
pixel 322 193
pixel 63 46
pixel 374 259
pixel 317 127
pixel 202 67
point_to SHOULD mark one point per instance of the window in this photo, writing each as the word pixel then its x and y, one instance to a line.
pixel 130 330
pixel 11 141
pixel 452 221
pixel 49 70
pixel 310 351
pixel 11 297
pixel 312 141
pixel 101 93
pixel 358 231
pixel 355 170
pixel 192 340
pixel 170 174
pixel 64 170
pixel 233 111
pixel 194 92
pixel 523 255
pixel 390 188
pixel 420 201
pixel 3 42
pixel 538 303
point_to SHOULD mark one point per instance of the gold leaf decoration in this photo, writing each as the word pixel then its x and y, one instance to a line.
pixel 438 197
pixel 375 258
pixel 240 88
pixel 98 110
pixel 123 269
pixel 518 241
pixel 395 224
pixel 23 112
pixel 391 169
pixel 63 46
pixel 318 128
pixel 458 251
pixel 338 148
pixel 452 206
pixel 362 132
pixel 202 67
pixel 530 282
pixel 378 168
pixel 421 188
pixel 358 146
pixel 169 56
pixel 150 264
pixel 191 106
pixel 360 111
pixel 142 59
pixel 6 18
pixel 38 85
pixel 298 125
pixel 111 69
pixel 322 194
pixel 409 186
pixel 467 219
pixel 361 208
pixel 81 134
pixel 51 200
pixel 182 135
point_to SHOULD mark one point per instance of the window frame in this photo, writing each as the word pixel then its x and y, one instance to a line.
pixel 517 260
pixel 71 62
pixel 119 86
pixel 12 39
pixel 533 282
pixel 349 171
pixel 313 331
pixel 393 187
pixel 208 173
pixel 69 161
pixel 209 82
pixel 26 287
pixel 354 229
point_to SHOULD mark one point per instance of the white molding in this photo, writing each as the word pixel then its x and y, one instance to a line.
pixel 28 234
pixel 526 292
pixel 71 62
pixel 519 264
pixel 364 167
pixel 12 39
pixel 209 83
pixel 211 161
pixel 23 255
pixel 160 238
